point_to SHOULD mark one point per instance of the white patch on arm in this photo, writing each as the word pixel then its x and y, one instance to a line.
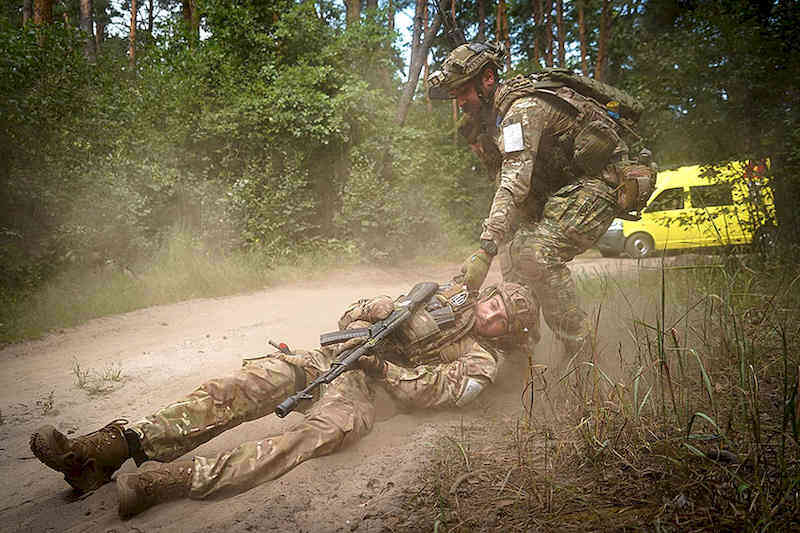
pixel 472 389
pixel 512 138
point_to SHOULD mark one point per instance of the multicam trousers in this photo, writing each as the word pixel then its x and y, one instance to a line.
pixel 574 218
pixel 342 413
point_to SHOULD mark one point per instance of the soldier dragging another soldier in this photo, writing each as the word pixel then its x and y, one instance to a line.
pixel 444 355
pixel 563 174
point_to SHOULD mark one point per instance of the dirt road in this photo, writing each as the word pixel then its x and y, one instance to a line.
pixel 163 353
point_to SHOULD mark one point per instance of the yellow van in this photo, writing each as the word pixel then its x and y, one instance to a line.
pixel 698 207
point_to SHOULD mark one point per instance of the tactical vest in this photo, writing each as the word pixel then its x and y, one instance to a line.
pixel 423 341
pixel 593 145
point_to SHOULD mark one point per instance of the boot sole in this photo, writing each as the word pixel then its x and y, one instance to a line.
pixel 43 444
pixel 47 444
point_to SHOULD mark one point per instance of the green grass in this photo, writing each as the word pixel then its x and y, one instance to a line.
pixel 684 415
pixel 179 271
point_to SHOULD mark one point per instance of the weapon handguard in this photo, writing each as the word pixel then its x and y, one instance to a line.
pixel 420 294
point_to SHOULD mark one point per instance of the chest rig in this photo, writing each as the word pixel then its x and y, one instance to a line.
pixel 428 336
pixel 590 143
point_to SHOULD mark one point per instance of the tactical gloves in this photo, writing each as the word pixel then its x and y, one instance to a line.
pixel 372 365
pixel 476 268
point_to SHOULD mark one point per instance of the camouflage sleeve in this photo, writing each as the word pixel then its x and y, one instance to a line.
pixel 520 133
pixel 444 385
pixel 368 310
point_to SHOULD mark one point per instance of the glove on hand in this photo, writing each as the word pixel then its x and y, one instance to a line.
pixel 475 269
pixel 372 365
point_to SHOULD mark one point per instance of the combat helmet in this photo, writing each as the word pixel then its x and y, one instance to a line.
pixel 521 308
pixel 461 65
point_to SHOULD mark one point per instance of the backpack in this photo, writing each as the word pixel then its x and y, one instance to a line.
pixel 617 101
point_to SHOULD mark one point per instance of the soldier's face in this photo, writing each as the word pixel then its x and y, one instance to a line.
pixel 491 319
pixel 467 98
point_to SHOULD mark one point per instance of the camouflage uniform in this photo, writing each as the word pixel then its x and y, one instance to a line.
pixel 428 365
pixel 561 208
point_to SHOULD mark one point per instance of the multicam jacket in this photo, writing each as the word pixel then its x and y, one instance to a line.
pixel 439 332
pixel 548 139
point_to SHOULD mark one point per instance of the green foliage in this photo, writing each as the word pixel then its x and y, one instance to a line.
pixel 274 133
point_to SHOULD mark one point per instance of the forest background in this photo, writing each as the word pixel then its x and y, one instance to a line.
pixel 265 132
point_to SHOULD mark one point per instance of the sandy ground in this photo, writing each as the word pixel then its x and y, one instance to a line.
pixel 164 352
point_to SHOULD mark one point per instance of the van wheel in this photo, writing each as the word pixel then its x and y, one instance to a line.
pixel 639 245
pixel 765 239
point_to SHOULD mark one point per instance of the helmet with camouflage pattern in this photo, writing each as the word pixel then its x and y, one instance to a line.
pixel 521 308
pixel 463 64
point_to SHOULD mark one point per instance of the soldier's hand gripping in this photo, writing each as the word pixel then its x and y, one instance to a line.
pixel 475 269
pixel 372 365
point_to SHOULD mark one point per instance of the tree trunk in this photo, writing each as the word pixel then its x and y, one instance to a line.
pixel 150 16
pixel 582 37
pixel 391 15
pixel 562 34
pixel 99 34
pixel 419 53
pixel 548 32
pixel 536 7
pixel 42 11
pixel 602 42
pixel 481 21
pixel 453 105
pixel 353 11
pixel 87 26
pixel 372 4
pixel 425 70
pixel 132 37
pixel 27 11
pixel 502 30
pixel 191 18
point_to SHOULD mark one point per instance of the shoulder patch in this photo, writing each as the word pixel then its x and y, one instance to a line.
pixel 458 299
pixel 512 138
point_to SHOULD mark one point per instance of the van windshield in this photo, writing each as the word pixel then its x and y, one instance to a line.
pixel 667 200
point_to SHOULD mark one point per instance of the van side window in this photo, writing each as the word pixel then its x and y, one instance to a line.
pixel 711 195
pixel 668 199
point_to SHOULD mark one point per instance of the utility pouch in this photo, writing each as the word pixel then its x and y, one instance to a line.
pixel 636 183
pixel 420 326
pixel 594 146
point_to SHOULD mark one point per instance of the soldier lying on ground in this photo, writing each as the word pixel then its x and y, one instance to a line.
pixel 424 364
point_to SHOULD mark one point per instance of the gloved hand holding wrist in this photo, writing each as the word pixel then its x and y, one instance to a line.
pixel 476 269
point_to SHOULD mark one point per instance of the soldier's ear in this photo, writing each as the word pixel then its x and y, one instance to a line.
pixel 488 78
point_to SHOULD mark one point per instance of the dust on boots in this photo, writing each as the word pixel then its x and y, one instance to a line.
pixel 152 484
pixel 87 462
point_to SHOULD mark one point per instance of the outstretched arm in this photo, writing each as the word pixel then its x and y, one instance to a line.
pixel 456 383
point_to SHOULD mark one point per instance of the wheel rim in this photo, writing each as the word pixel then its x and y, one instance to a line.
pixel 766 239
pixel 642 246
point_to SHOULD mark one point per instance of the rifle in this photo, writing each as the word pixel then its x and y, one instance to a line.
pixel 420 294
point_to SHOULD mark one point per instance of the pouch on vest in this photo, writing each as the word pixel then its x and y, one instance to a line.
pixel 419 327
pixel 636 184
pixel 594 146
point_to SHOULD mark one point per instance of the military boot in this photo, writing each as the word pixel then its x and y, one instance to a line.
pixel 152 484
pixel 87 462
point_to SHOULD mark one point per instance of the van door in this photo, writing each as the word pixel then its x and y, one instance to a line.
pixel 665 220
pixel 715 218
